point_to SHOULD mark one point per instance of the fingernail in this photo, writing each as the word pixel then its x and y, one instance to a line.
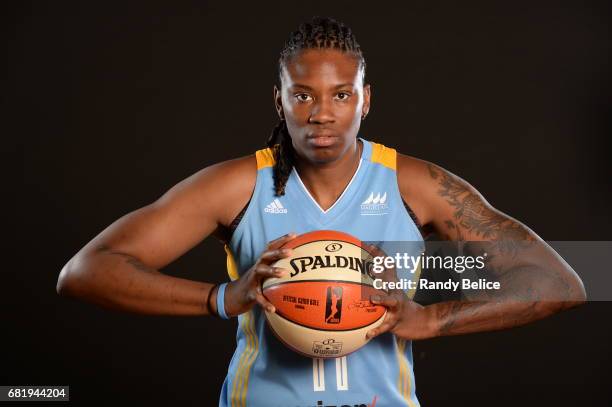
pixel 271 309
pixel 375 298
pixel 287 251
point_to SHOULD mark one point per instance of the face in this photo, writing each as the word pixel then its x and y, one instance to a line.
pixel 322 98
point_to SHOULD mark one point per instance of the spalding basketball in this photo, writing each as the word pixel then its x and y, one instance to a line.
pixel 322 307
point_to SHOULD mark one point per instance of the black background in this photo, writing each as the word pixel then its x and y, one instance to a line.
pixel 116 102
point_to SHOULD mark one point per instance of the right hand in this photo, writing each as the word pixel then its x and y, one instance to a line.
pixel 242 294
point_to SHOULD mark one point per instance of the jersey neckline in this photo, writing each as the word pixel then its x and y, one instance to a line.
pixel 313 206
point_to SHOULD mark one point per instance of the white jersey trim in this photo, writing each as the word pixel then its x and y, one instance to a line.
pixel 337 200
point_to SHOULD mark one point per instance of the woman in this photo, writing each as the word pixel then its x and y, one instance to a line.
pixel 315 174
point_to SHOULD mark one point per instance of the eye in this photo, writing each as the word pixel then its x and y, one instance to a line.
pixel 303 97
pixel 342 95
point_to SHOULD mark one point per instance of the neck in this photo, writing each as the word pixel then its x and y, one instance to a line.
pixel 327 182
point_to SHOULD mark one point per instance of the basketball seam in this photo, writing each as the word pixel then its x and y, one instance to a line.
pixel 327 240
pixel 329 330
pixel 317 281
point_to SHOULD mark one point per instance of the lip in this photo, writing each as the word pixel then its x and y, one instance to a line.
pixel 322 138
pixel 322 133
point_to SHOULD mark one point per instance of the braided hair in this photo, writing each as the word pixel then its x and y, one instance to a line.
pixel 319 33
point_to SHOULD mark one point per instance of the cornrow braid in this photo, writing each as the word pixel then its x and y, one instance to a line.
pixel 280 142
pixel 319 33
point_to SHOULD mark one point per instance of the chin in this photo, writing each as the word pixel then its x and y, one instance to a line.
pixel 322 155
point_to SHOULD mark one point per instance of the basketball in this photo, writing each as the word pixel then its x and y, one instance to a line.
pixel 322 307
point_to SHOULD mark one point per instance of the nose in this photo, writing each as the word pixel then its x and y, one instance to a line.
pixel 322 112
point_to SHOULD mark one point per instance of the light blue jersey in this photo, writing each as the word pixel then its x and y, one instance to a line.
pixel 263 372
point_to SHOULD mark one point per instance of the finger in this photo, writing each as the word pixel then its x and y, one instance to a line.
pixel 263 271
pixel 270 256
pixel 387 325
pixel 265 304
pixel 387 273
pixel 275 244
pixel 388 301
pixel 375 251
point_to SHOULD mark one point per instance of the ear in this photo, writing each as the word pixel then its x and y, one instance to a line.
pixel 367 94
pixel 278 103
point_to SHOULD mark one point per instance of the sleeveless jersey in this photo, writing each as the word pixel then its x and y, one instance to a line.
pixel 263 371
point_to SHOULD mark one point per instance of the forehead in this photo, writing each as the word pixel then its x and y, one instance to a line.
pixel 320 67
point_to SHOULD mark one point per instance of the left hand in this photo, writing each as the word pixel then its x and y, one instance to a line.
pixel 405 318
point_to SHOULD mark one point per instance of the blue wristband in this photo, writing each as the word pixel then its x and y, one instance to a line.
pixel 221 301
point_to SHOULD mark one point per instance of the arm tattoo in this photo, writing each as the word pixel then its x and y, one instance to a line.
pixel 450 225
pixel 526 284
pixel 464 317
pixel 472 215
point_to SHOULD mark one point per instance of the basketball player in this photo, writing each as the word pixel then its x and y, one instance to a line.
pixel 314 175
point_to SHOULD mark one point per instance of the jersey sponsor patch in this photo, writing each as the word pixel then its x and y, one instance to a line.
pixel 375 204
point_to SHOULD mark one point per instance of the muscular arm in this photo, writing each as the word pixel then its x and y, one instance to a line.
pixel 535 280
pixel 118 269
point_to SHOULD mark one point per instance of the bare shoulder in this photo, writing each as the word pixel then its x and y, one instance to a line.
pixel 418 173
pixel 421 182
pixel 191 210
pixel 233 174
pixel 224 187
pixel 450 204
pixel 412 170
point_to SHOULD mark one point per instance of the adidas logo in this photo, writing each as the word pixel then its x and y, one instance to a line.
pixel 375 205
pixel 275 207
